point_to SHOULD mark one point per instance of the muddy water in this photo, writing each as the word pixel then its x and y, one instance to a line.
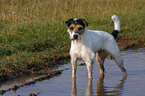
pixel 113 83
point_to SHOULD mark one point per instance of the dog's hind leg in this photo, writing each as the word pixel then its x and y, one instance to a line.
pixel 74 66
pixel 113 50
pixel 100 57
pixel 119 61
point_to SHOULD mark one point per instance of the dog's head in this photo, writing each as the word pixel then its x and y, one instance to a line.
pixel 76 27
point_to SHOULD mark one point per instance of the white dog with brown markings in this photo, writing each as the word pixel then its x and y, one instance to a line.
pixel 86 44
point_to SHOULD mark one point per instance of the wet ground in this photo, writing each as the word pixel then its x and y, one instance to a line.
pixel 113 83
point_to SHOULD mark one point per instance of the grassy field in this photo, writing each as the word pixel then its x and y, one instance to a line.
pixel 33 35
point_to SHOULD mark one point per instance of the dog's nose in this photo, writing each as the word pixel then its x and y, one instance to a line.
pixel 75 36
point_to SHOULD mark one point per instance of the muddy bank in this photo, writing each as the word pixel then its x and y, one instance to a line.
pixel 15 71
pixel 125 44
pixel 43 77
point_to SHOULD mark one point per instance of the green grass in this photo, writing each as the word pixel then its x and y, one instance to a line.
pixel 33 33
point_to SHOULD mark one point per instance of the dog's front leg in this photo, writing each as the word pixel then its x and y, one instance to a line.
pixel 89 68
pixel 74 66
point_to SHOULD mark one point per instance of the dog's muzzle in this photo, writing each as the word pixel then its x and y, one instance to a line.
pixel 75 36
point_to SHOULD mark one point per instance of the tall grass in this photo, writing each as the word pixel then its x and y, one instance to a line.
pixel 33 33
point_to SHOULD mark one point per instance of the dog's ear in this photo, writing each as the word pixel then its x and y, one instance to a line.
pixel 85 22
pixel 68 22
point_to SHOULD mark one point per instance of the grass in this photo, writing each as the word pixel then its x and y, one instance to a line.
pixel 33 35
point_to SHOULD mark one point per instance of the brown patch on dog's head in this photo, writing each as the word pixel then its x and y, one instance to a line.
pixel 77 25
pixel 80 29
pixel 76 28
pixel 71 28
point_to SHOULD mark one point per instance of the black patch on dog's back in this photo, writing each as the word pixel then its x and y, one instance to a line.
pixel 115 33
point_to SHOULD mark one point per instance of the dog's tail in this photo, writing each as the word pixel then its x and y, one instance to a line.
pixel 116 26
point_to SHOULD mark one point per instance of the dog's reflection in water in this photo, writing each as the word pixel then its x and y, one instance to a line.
pixel 101 90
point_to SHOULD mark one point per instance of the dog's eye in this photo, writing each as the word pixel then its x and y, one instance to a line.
pixel 80 28
pixel 71 28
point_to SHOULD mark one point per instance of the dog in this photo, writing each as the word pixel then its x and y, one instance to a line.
pixel 88 44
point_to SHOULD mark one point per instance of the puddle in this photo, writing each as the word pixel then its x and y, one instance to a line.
pixel 113 83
